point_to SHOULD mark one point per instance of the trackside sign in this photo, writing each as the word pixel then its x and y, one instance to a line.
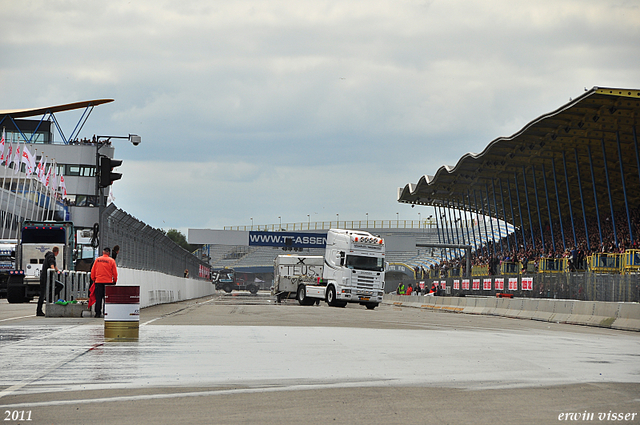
pixel 288 239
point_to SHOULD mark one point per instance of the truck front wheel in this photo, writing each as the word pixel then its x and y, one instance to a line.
pixel 226 288
pixel 15 294
pixel 371 306
pixel 331 296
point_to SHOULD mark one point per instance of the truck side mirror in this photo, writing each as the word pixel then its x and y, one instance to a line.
pixel 342 258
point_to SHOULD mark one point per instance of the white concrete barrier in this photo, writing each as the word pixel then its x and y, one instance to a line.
pixel 591 313
pixel 581 313
pixel 562 310
pixel 628 317
pixel 159 288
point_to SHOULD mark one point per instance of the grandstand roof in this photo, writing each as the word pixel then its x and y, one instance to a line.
pixel 23 113
pixel 601 123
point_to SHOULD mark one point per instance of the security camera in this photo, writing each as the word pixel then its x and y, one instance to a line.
pixel 135 139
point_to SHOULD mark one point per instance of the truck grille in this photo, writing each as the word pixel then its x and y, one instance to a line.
pixel 365 282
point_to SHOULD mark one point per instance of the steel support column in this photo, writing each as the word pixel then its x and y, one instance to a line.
pixel 546 192
pixel 535 190
pixel 584 215
pixel 606 172
pixel 482 245
pixel 513 217
pixel 566 180
pixel 624 188
pixel 504 216
pixel 461 229
pixel 473 232
pixel 493 235
pixel 555 182
pixel 595 193
pixel 495 204
pixel 526 194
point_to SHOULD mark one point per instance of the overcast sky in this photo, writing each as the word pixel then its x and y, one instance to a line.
pixel 286 108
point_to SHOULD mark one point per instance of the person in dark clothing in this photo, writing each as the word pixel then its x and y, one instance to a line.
pixel 49 263
pixel 115 251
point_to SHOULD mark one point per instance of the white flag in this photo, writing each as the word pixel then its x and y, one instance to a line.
pixel 42 165
pixel 16 160
pixel 62 185
pixel 29 161
pixel 8 157
pixel 2 146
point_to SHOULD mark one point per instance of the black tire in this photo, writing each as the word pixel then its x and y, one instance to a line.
pixel 372 306
pixel 341 303
pixel 331 296
pixel 302 298
pixel 253 289
pixel 227 288
pixel 15 294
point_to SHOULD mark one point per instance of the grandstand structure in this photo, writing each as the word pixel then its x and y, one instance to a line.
pixel 568 183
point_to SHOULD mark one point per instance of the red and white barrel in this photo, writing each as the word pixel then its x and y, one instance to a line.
pixel 121 312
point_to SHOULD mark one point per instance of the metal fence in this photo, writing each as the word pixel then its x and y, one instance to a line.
pixel 577 286
pixel 144 248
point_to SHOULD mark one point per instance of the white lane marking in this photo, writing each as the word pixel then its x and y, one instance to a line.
pixel 41 373
pixel 177 311
pixel 16 318
pixel 299 387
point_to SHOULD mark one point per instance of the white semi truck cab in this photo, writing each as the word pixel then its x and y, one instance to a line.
pixel 353 270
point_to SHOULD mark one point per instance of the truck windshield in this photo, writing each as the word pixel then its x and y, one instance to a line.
pixel 375 264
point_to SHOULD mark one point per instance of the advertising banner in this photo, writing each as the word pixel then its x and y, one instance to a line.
pixel 513 283
pixel 288 239
pixel 486 284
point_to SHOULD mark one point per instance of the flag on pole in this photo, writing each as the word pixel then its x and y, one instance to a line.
pixel 41 170
pixel 54 181
pixel 62 185
pixel 16 160
pixel 2 146
pixel 29 160
pixel 48 176
pixel 8 157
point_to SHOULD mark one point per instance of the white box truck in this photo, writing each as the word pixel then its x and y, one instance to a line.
pixel 352 270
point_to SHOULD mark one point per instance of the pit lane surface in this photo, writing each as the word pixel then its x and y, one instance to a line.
pixel 236 358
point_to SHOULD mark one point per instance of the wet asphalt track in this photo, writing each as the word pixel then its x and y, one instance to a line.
pixel 243 359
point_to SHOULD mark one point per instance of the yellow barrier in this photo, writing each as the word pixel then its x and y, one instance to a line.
pixel 631 263
pixel 552 265
pixel 605 263
pixel 510 268
pixel 480 271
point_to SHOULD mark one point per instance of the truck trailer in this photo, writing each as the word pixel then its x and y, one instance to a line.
pixel 351 270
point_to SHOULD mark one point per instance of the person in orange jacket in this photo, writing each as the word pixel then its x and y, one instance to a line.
pixel 103 272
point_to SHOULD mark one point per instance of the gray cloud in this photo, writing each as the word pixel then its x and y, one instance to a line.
pixel 280 92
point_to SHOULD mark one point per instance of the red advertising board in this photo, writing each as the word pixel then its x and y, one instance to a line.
pixel 499 283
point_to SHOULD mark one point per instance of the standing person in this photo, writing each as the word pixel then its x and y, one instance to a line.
pixel 103 272
pixel 49 263
pixel 115 251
